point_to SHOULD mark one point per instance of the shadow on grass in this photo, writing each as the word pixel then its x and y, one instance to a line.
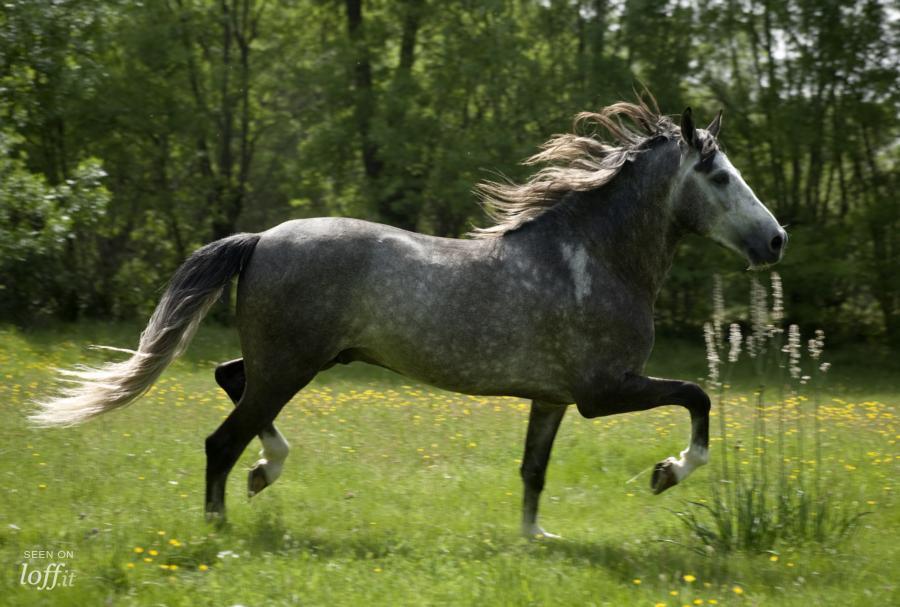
pixel 270 533
pixel 627 561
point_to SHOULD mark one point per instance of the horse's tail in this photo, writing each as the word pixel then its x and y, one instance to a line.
pixel 195 286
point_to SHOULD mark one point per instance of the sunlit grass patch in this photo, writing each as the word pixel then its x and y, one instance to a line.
pixel 361 515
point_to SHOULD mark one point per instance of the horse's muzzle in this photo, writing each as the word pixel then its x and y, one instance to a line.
pixel 769 251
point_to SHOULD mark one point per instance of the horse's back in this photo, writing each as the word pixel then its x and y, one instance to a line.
pixel 324 281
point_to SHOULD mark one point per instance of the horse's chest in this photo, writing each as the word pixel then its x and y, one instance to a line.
pixel 617 335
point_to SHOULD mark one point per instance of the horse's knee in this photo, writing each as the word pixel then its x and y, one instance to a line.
pixel 696 398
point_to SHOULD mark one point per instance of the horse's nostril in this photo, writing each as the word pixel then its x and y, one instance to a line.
pixel 777 243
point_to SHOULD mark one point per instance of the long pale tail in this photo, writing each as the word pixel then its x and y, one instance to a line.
pixel 195 286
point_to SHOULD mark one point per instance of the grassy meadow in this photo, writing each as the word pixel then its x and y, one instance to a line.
pixel 399 494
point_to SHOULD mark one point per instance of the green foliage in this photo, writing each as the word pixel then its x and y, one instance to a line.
pixel 47 236
pixel 216 117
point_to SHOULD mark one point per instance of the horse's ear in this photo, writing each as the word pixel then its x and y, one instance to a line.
pixel 687 126
pixel 715 125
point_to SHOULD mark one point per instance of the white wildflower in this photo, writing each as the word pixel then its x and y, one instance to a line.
pixel 734 338
pixel 718 310
pixel 817 344
pixel 759 315
pixel 777 303
pixel 712 356
pixel 793 346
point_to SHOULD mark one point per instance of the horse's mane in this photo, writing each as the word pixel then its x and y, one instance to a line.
pixel 579 161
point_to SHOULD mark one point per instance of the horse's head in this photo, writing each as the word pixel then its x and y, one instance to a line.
pixel 713 199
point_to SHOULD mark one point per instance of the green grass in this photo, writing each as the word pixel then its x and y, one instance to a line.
pixel 399 494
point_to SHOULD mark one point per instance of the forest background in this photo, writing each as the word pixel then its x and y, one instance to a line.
pixel 133 132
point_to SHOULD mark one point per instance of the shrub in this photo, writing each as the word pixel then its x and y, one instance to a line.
pixel 47 234
pixel 756 499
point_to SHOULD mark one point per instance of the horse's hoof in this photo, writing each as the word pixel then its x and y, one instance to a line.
pixel 256 480
pixel 536 532
pixel 215 514
pixel 663 477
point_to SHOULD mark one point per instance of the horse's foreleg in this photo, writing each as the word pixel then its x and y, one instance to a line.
pixel 230 376
pixel 543 422
pixel 638 393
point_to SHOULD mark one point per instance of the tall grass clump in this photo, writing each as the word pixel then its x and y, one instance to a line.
pixel 767 488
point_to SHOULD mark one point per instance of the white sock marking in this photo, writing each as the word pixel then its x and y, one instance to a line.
pixel 689 460
pixel 275 450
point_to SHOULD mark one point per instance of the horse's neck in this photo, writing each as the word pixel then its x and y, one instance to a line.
pixel 628 225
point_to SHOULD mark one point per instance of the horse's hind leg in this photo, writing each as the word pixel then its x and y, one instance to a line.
pixel 260 403
pixel 231 377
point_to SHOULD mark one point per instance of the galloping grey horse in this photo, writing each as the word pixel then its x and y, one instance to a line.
pixel 553 303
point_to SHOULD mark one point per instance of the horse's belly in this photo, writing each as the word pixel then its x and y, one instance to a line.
pixel 502 376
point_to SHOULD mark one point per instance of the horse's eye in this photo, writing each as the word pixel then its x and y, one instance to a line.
pixel 720 179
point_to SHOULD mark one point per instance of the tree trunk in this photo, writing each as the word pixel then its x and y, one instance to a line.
pixel 364 101
pixel 388 199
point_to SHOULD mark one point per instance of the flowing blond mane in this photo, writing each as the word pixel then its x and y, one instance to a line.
pixel 579 161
